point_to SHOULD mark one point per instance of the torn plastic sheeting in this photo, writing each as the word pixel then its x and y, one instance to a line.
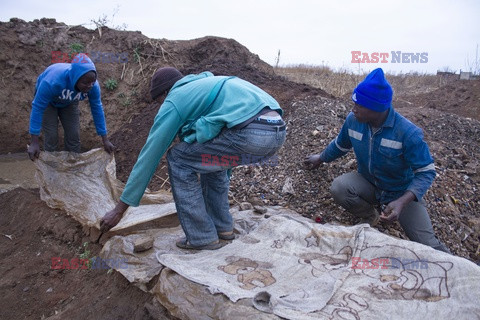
pixel 185 299
pixel 140 268
pixel 85 186
pixel 295 269
pixel 285 267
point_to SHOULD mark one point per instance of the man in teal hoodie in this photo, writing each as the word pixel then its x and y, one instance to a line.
pixel 222 122
pixel 57 93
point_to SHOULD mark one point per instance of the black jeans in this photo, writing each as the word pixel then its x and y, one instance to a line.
pixel 70 118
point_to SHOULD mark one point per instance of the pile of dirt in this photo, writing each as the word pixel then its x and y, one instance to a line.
pixel 460 97
pixel 37 233
pixel 31 46
pixel 129 109
pixel 33 235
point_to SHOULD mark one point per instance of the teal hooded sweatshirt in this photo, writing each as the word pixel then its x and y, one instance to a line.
pixel 185 107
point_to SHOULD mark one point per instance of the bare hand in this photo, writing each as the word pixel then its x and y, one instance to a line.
pixel 33 149
pixel 107 145
pixel 113 217
pixel 392 211
pixel 312 161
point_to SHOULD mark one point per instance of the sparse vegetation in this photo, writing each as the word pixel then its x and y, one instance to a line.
pixel 342 82
pixel 76 48
pixel 110 84
pixel 105 21
pixel 136 54
pixel 474 66
pixel 126 102
pixel 86 254
pixel 124 99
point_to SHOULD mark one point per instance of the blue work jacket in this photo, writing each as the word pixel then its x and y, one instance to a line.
pixel 394 159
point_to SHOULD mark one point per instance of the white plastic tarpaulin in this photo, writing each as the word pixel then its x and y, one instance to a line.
pixel 297 269
pixel 85 186
pixel 281 264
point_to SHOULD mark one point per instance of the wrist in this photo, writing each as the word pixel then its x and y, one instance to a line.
pixel 321 156
pixel 121 207
pixel 406 198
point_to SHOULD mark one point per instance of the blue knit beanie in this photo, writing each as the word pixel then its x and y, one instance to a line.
pixel 374 93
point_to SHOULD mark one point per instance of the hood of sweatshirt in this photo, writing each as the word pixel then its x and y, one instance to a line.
pixel 80 65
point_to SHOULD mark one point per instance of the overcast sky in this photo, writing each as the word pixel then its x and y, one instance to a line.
pixel 443 33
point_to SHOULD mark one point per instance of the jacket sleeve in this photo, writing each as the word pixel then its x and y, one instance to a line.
pixel 419 159
pixel 164 129
pixel 338 147
pixel 42 98
pixel 94 98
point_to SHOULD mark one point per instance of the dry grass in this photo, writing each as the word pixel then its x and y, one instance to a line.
pixel 341 83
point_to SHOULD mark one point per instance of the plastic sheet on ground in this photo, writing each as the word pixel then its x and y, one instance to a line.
pixel 85 186
pixel 297 269
pixel 280 265
pixel 141 268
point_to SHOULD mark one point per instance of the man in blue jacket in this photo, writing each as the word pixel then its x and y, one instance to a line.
pixel 222 122
pixel 395 167
pixel 57 93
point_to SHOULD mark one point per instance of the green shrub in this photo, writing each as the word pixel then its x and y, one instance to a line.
pixel 110 84
pixel 136 54
pixel 76 48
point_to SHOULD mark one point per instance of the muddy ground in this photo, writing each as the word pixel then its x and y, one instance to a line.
pixel 31 233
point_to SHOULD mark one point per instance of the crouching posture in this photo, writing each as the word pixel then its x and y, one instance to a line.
pixel 395 167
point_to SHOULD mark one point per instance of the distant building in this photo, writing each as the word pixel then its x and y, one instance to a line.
pixel 468 76
pixel 447 74
pixel 465 75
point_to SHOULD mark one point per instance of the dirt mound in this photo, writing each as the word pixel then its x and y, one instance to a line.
pixel 128 108
pixel 460 97
pixel 33 234
pixel 30 46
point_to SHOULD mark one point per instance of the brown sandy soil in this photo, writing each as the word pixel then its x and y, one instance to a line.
pixel 314 117
pixel 460 97
pixel 33 234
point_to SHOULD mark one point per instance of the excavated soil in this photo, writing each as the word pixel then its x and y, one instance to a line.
pixel 31 233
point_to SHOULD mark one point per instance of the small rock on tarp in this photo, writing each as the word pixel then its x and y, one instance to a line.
pixel 142 244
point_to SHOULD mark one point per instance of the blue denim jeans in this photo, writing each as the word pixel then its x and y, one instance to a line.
pixel 199 179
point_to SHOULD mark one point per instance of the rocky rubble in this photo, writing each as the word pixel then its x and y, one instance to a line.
pixel 453 200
